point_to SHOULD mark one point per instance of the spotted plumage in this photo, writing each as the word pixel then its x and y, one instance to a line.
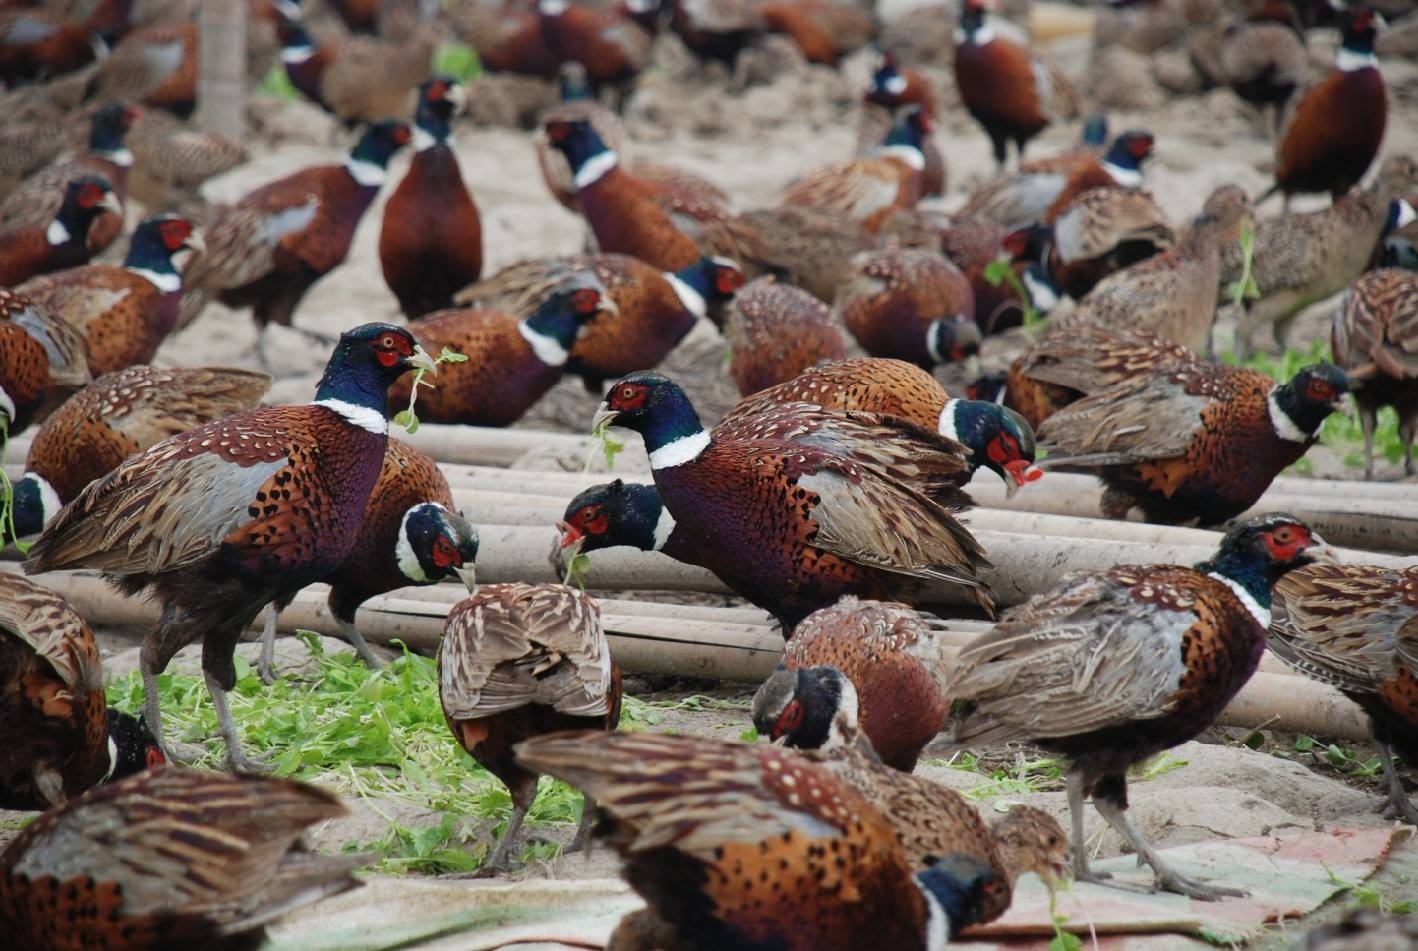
pixel 1264 63
pixel 60 738
pixel 37 199
pixel 39 44
pixel 892 658
pixel 1375 334
pixel 274 243
pixel 42 359
pixel 910 304
pixel 775 331
pixel 1332 131
pixel 62 242
pixel 1112 667
pixel 1068 363
pixel 1353 627
pixel 755 847
pixel 792 525
pixel 1018 199
pixel 512 361
pixel 117 416
pixel 170 858
pixel 430 242
pixel 356 79
pixel 816 709
pixel 649 311
pixel 411 534
pixel 1004 85
pixel 1102 231
pixel 806 247
pixel 220 520
pixel 1192 440
pixel 124 312
pixel 1173 293
pixel 1301 259
pixel 171 161
pixel 866 190
pixel 989 435
pixel 518 661
pixel 156 65
pixel 621 209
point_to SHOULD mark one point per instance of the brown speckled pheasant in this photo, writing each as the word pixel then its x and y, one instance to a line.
pixel 156 65
pixel 1191 440
pixel 910 304
pixel 1018 199
pixel 125 312
pixel 512 361
pixel 1174 293
pixel 651 313
pixel 705 826
pixel 171 161
pixel 806 247
pixel 1102 231
pixel 62 242
pixel 37 199
pixel 411 535
pixel 117 416
pixel 222 519
pixel 1069 363
pixel 42 359
pixel 888 652
pixel 356 79
pixel 1112 667
pixel 1375 340
pixel 792 525
pixel 1302 259
pixel 1353 627
pixel 775 331
pixel 169 858
pixel 815 708
pixel 60 738
pixel 991 436
pixel 518 661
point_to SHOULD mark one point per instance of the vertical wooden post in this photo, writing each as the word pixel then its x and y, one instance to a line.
pixel 221 71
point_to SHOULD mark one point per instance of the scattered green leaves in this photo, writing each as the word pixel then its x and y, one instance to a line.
pixel 7 495
pixel 1245 286
pixel 609 445
pixel 277 83
pixel 1062 940
pixel 1364 895
pixel 458 60
pixel 1001 271
pixel 377 736
pixel 407 418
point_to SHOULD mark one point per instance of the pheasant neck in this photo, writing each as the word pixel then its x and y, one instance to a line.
pixel 673 434
pixel 685 283
pixel 1249 579
pixel 550 333
pixel 35 503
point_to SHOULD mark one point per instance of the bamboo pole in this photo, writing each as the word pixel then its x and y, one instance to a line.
pixel 221 64
pixel 687 646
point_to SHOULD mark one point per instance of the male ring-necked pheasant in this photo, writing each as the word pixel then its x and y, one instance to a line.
pixel 707 828
pixel 222 519
pixel 63 241
pixel 1112 667
pixel 60 737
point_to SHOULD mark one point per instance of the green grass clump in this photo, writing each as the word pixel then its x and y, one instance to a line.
pixel 373 735
pixel 458 60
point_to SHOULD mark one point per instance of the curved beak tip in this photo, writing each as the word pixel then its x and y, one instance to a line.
pixel 195 243
pixel 603 418
pixel 468 574
pixel 422 361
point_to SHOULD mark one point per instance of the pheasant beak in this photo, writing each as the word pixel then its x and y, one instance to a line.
pixel 972 367
pixel 110 202
pixel 1019 473
pixel 570 534
pixel 420 360
pixel 604 418
pixel 1345 405
pixel 458 96
pixel 1055 876
pixel 193 242
pixel 468 574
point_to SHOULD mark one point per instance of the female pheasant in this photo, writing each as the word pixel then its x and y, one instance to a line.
pixel 791 524
pixel 268 249
pixel 512 361
pixel 705 827
pixel 1115 666
pixel 411 535
pixel 125 312
pixel 1351 626
pixel 60 738
pixel 648 311
pixel 117 416
pixel 431 243
pixel 519 661
pixel 222 519
pixel 989 435
pixel 60 243
pixel 775 331
pixel 1192 440
pixel 1374 335
pixel 167 859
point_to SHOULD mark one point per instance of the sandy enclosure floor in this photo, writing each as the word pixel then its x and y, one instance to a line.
pixel 761 142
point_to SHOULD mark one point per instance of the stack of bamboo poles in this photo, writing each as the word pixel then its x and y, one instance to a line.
pixel 1046 531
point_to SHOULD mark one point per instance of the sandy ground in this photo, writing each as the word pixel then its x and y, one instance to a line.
pixel 761 142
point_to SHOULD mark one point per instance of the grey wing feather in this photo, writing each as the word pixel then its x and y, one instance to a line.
pixel 1136 420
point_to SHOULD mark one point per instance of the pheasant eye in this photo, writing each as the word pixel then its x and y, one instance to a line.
pixel 585 301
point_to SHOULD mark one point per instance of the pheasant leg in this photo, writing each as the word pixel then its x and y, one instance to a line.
pixel 582 842
pixel 235 756
pixel 1082 871
pixel 1397 805
pixel 152 715
pixel 1168 878
pixel 497 862
pixel 351 633
pixel 266 664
